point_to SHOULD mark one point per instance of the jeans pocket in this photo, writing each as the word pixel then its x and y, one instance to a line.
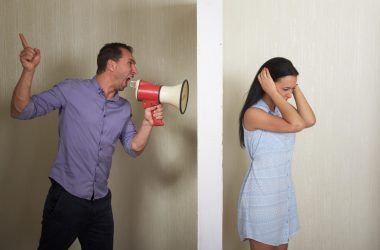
pixel 54 195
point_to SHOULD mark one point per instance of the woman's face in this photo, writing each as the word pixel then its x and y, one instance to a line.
pixel 286 85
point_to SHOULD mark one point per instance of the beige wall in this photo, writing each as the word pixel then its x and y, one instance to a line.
pixel 154 197
pixel 335 45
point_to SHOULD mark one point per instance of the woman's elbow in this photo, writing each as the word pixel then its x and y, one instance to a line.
pixel 298 127
pixel 310 123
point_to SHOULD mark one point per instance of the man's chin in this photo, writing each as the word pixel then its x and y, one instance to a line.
pixel 125 83
pixel 123 86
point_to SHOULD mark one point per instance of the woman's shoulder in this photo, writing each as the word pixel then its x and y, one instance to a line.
pixel 256 111
pixel 261 104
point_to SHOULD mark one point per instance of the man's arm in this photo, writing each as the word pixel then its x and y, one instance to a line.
pixel 141 139
pixel 135 143
pixel 30 58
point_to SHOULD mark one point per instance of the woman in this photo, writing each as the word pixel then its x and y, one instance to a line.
pixel 268 123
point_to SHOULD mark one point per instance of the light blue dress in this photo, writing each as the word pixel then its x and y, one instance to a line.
pixel 267 209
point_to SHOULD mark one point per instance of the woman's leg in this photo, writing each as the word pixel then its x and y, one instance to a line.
pixel 255 245
pixel 282 247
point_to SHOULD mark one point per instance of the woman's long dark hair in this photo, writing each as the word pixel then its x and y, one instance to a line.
pixel 278 67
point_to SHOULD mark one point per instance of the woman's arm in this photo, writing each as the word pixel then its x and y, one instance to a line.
pixel 303 108
pixel 255 118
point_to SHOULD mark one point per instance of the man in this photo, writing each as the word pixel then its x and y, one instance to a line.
pixel 92 117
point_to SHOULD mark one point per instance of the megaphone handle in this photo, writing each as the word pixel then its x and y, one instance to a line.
pixel 157 122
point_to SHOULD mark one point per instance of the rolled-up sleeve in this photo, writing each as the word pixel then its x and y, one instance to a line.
pixel 127 135
pixel 43 103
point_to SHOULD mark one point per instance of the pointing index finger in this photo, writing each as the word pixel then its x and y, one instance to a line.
pixel 23 41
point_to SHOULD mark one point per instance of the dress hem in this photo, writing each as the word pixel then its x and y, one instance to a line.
pixel 248 237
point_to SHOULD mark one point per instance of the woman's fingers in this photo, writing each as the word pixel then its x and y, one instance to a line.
pixel 266 72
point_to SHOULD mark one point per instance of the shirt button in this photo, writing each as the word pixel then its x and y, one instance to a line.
pixel 100 149
pixel 104 115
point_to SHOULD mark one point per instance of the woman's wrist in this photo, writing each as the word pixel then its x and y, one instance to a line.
pixel 273 94
pixel 296 91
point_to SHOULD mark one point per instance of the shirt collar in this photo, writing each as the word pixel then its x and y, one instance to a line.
pixel 100 91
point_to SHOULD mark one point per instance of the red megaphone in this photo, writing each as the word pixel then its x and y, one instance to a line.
pixel 151 95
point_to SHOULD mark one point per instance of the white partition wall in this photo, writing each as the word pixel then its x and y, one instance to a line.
pixel 210 120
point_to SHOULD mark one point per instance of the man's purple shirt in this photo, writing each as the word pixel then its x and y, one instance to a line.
pixel 89 127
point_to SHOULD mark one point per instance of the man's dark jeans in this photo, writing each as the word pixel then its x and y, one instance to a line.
pixel 67 217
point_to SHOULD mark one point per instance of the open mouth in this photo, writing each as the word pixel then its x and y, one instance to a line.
pixel 127 80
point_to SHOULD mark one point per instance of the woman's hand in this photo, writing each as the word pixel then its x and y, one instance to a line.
pixel 267 82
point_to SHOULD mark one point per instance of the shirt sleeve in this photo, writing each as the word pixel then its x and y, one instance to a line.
pixel 126 136
pixel 43 103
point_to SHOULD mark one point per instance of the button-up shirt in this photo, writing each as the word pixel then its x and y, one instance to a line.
pixel 89 127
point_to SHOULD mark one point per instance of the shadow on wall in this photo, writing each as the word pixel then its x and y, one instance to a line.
pixel 235 160
pixel 28 150
pixel 154 196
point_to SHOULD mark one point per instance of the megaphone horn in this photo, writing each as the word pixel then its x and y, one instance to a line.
pixel 151 94
pixel 177 95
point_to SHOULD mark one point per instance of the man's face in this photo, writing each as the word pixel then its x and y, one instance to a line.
pixel 125 69
pixel 286 85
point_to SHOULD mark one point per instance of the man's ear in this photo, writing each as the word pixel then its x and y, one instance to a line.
pixel 111 65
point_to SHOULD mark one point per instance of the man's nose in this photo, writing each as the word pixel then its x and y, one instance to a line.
pixel 134 69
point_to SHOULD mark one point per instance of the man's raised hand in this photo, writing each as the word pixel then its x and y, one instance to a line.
pixel 29 57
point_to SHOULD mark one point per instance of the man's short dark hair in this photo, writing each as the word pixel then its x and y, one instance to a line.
pixel 110 51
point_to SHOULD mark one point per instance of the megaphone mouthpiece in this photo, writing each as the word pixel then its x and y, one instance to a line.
pixel 133 83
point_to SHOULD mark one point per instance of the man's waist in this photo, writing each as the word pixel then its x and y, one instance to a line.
pixel 87 187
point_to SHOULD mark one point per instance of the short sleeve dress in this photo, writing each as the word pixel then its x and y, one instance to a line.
pixel 267 209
